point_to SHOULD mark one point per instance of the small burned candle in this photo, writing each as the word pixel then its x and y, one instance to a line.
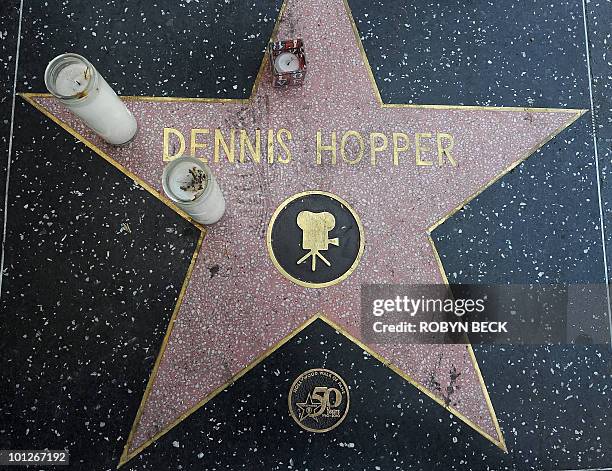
pixel 287 62
pixel 191 185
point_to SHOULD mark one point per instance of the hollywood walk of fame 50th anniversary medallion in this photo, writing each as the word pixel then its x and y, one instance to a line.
pixel 319 400
pixel 399 170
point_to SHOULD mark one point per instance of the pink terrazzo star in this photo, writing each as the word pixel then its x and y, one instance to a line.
pixel 229 318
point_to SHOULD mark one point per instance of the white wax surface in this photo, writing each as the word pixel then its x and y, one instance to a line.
pixel 72 79
pixel 180 176
pixel 287 62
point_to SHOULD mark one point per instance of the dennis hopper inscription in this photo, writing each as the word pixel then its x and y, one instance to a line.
pixel 276 146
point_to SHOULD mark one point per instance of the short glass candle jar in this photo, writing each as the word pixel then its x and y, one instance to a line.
pixel 191 185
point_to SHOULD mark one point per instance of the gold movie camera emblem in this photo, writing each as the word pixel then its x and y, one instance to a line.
pixel 315 239
pixel 315 235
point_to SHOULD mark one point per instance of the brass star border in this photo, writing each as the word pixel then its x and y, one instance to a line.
pixel 127 454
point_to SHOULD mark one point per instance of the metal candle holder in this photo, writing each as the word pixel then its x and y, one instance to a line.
pixel 293 72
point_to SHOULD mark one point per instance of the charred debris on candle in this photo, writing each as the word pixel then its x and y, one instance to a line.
pixel 86 76
pixel 197 183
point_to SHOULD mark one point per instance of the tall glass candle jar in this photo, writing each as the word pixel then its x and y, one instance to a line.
pixel 190 183
pixel 79 86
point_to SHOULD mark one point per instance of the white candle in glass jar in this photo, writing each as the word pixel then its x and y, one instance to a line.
pixel 191 185
pixel 287 62
pixel 75 81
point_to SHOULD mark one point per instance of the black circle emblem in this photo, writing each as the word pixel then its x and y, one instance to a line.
pixel 315 239
pixel 319 400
